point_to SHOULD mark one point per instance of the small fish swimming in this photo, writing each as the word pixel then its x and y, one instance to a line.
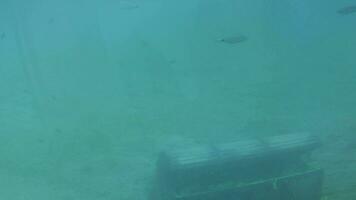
pixel 233 39
pixel 127 5
pixel 347 10
pixel 51 20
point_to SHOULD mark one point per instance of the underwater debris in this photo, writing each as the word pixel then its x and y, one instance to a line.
pixel 347 10
pixel 234 39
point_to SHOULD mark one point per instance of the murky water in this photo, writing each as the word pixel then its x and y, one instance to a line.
pixel 92 90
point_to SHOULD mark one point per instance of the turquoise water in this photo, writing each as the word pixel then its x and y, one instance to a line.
pixel 92 90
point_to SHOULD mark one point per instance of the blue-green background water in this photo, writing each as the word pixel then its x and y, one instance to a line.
pixel 92 90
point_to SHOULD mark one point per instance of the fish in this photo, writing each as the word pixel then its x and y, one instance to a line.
pixel 233 39
pixel 347 10
pixel 50 20
pixel 127 5
pixel 2 36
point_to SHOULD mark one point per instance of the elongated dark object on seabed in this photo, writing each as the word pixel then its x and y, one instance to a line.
pixel 238 169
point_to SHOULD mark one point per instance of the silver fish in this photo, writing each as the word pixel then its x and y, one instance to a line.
pixel 234 39
pixel 347 10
